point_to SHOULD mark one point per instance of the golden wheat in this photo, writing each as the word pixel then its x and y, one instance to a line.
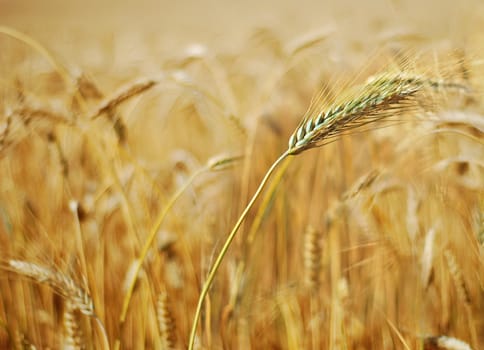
pixel 24 343
pixel 383 96
pixel 73 337
pixel 166 323
pixel 312 257
pixel 456 273
pixel 60 283
pixel 143 214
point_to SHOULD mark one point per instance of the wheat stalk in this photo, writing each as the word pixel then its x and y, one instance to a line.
pixel 381 97
pixel 216 163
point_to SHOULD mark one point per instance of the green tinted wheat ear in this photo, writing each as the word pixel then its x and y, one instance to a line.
pixel 383 96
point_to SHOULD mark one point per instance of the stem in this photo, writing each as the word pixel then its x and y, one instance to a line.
pixel 104 336
pixel 223 252
pixel 148 243
pixel 263 208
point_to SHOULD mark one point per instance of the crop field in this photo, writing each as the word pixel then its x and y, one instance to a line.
pixel 246 175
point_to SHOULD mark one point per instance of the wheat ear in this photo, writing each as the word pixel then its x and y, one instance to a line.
pixel 312 257
pixel 22 342
pixel 380 97
pixel 73 339
pixel 60 283
pixel 166 323
pixel 76 297
pixel 456 274
pixel 125 93
pixel 445 343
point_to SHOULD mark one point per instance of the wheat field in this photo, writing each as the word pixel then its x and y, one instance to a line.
pixel 133 136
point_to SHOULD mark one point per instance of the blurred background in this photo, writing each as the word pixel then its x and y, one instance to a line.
pixel 167 26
